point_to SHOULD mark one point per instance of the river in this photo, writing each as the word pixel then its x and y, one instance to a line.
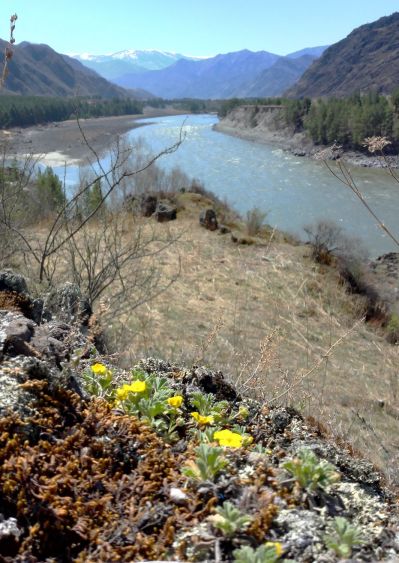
pixel 295 191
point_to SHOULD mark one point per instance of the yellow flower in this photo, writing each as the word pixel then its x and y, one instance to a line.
pixel 277 546
pixel 137 386
pixel 175 401
pixel 228 438
pixel 202 419
pixel 99 369
pixel 122 393
pixel 134 387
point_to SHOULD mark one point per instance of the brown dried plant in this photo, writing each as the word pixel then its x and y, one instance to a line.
pixel 343 173
pixel 8 51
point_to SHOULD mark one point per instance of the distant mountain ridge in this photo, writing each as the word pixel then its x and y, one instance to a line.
pixel 236 74
pixel 367 59
pixel 38 70
pixel 130 61
pixel 277 78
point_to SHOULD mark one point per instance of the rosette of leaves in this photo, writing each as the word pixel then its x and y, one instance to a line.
pixel 152 406
pixel 269 552
pixel 342 537
pixel 310 472
pixel 230 520
pixel 206 405
pixel 209 462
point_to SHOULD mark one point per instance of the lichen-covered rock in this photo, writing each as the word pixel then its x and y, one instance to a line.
pixel 84 479
pixel 9 536
pixel 10 281
pixel 165 212
pixel 148 204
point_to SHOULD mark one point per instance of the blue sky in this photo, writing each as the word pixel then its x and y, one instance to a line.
pixel 193 27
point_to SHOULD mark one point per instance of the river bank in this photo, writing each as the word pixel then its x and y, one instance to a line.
pixel 62 142
pixel 264 125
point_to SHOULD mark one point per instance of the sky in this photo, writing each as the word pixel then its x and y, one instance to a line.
pixel 191 27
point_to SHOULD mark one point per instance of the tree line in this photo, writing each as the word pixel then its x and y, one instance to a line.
pixel 347 121
pixel 22 111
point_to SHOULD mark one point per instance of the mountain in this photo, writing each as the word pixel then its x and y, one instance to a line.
pixel 222 76
pixel 314 52
pixel 281 75
pixel 40 71
pixel 129 61
pixel 368 59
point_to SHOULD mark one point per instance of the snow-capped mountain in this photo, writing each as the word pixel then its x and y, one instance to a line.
pixel 130 61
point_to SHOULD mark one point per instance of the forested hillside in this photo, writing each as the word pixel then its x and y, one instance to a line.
pixel 21 111
pixel 347 121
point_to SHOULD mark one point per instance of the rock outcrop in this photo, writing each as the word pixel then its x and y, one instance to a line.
pixel 90 473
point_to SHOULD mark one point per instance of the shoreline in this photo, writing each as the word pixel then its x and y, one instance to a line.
pixel 60 143
pixel 300 145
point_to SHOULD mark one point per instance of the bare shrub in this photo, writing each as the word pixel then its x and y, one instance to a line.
pixel 329 242
pixel 326 240
pixel 45 251
pixel 255 220
pixel 119 250
pixel 342 172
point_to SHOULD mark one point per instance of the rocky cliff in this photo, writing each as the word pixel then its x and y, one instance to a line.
pixel 265 124
pixel 100 464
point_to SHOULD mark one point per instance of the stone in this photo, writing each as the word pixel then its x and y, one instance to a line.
pixel 177 496
pixel 224 230
pixel 148 204
pixel 9 536
pixel 208 219
pixel 165 212
pixel 9 281
pixel 19 331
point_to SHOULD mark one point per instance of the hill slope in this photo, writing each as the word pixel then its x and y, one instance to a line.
pixel 368 59
pixel 274 80
pixel 39 70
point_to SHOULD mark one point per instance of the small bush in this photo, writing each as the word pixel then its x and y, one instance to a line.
pixel 255 219
pixel 393 329
pixel 325 238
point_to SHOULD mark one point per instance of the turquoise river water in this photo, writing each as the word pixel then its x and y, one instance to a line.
pixel 295 191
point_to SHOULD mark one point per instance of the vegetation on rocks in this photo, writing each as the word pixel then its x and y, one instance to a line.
pixel 103 477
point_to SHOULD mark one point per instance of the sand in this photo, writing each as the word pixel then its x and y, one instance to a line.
pixel 60 143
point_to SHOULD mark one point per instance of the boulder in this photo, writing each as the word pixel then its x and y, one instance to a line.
pixel 208 219
pixel 224 230
pixel 165 212
pixel 9 281
pixel 16 331
pixel 148 204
